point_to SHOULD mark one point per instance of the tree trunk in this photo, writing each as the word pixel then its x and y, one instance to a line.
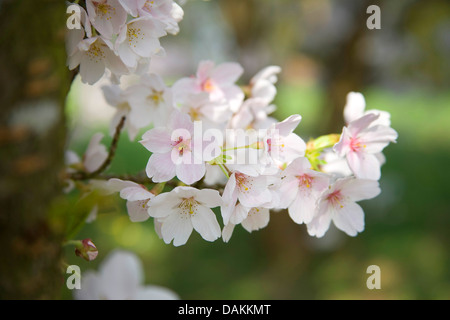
pixel 34 82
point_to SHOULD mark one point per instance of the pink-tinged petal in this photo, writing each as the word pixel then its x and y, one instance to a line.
pixel 114 63
pixel 157 140
pixel 209 198
pixel 229 196
pixel 147 47
pixel 384 118
pixel 257 218
pixel 205 223
pixel 360 124
pixel 227 73
pixel 294 147
pixel 265 90
pixel 364 165
pixel 107 19
pixel 287 191
pixel 180 120
pixel 177 228
pixel 255 199
pixel 115 185
pixel 126 270
pixel 342 147
pixel 288 125
pixel 268 73
pixel 137 210
pixel 297 167
pixel 360 189
pixel 227 232
pixel 160 167
pixel 320 224
pixel 132 6
pixel 376 138
pixel 354 107
pixel 134 193
pixel 303 208
pixel 127 55
pixel 96 153
pixel 204 70
pixel 349 218
pixel 182 88
pixel 190 173
pixel 91 70
pixel 163 205
pixel 234 96
pixel 239 214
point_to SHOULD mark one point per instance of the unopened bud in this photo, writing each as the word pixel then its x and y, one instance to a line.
pixel 86 249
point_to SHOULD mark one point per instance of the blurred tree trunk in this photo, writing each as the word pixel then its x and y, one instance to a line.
pixel 34 83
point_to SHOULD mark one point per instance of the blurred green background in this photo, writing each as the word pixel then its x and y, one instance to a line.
pixel 325 51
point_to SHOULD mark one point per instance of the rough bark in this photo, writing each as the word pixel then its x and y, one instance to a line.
pixel 34 83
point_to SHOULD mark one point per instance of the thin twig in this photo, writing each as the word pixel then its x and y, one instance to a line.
pixel 83 175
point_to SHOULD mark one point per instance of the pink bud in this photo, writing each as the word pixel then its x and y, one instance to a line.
pixel 86 249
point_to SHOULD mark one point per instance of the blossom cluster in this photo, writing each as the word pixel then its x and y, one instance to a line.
pixel 120 36
pixel 209 134
pixel 215 150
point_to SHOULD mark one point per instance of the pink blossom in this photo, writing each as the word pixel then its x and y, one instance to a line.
pixel 299 189
pixel 360 142
pixel 338 204
pixel 174 151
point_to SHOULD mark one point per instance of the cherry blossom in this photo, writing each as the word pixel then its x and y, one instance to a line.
pixel 107 16
pixel 249 191
pixel 95 55
pixel 150 101
pixel 95 154
pixel 300 188
pixel 355 108
pixel 137 197
pixel 184 209
pixel 217 81
pixel 360 142
pixel 174 151
pixel 139 39
pixel 255 219
pixel 262 83
pixel 338 204
pixel 120 277
pixel 281 144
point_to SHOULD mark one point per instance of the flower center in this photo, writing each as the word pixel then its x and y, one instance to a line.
pixel 335 199
pixel 355 144
pixel 156 97
pixel 305 180
pixel 148 6
pixel 134 35
pixel 95 53
pixel 182 145
pixel 195 114
pixel 243 182
pixel 104 9
pixel 188 206
pixel 208 85
pixel 271 143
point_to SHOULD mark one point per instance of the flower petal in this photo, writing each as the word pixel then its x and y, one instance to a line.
pixel 205 223
pixel 349 218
